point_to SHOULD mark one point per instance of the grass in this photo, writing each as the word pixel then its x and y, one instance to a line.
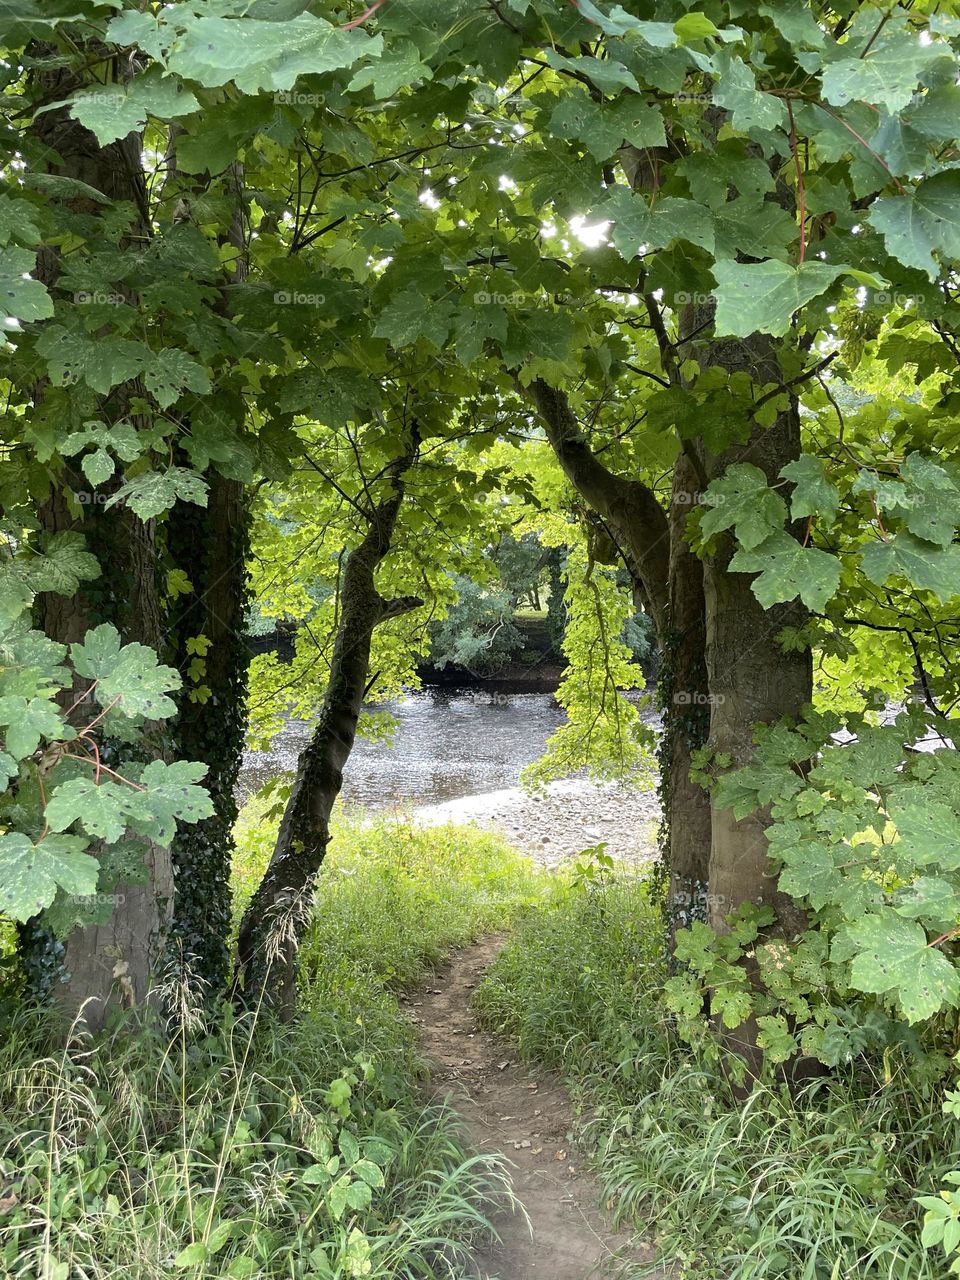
pixel 814 1187
pixel 250 1149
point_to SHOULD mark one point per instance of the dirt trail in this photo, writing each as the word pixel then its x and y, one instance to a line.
pixel 524 1114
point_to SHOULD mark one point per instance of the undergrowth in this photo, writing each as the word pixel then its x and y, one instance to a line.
pixel 248 1149
pixel 814 1184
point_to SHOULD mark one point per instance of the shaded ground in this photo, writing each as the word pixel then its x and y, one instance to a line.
pixel 525 1115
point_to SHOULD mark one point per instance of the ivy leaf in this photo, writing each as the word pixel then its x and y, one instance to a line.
pixel 929 567
pixel 813 494
pixel 763 297
pixel 788 569
pixel 893 958
pixel 112 111
pixel 21 298
pixel 157 491
pixel 921 223
pixel 259 55
pixel 638 225
pixel 742 499
pixel 29 719
pixel 128 676
pixel 402 66
pixel 30 874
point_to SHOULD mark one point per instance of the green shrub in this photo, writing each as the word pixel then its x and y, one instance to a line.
pixel 251 1149
pixel 815 1185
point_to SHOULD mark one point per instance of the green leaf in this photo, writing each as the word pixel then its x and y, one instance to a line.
pixel 102 807
pixel 606 73
pixel 258 55
pixel 742 499
pixel 400 67
pixel 604 127
pixel 409 316
pixel 887 74
pixel 21 298
pixel 64 564
pixel 111 111
pixel 813 494
pixel 924 222
pixel 97 466
pixel 129 678
pixel 17 222
pixel 924 565
pixel 192 1255
pixel 172 372
pixel 172 794
pixel 638 225
pixel 788 569
pixel 30 874
pixel 893 958
pixel 154 492
pixel 27 721
pixel 763 297
pixel 737 91
pixel 103 363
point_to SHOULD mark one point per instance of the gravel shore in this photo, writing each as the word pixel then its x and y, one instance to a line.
pixel 561 820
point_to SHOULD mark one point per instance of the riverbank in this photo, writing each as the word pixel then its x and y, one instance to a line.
pixel 562 819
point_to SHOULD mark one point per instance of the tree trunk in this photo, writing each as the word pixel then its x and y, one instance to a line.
pixel 210 544
pixel 277 916
pixel 115 962
pixel 669 578
pixel 685 707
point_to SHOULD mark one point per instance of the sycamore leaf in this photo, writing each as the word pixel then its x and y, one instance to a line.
pixel 154 492
pixel 171 793
pixel 401 66
pixel 128 676
pixel 102 807
pixel 111 111
pixel 788 569
pixel 813 494
pixel 103 363
pixel 21 298
pixel 638 225
pixel 259 55
pixel 607 74
pixel 604 127
pixel 29 719
pixel 30 874
pixel 893 957
pixel 742 499
pixel 17 221
pixel 924 222
pixel 763 297
pixel 171 372
pixel 887 74
pixel 64 564
pixel 736 90
pixel 924 565
pixel 409 316
pixel 474 325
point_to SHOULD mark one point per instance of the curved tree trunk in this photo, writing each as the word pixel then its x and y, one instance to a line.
pixel 276 918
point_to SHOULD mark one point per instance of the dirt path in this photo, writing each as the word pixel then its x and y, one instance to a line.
pixel 524 1114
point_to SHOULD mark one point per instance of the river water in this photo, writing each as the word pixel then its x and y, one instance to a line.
pixel 448 743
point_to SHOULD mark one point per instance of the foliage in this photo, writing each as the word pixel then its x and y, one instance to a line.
pixel 74 824
pixel 815 1184
pixel 255 1149
pixel 478 632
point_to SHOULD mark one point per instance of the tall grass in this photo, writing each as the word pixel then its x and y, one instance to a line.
pixel 817 1186
pixel 250 1149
